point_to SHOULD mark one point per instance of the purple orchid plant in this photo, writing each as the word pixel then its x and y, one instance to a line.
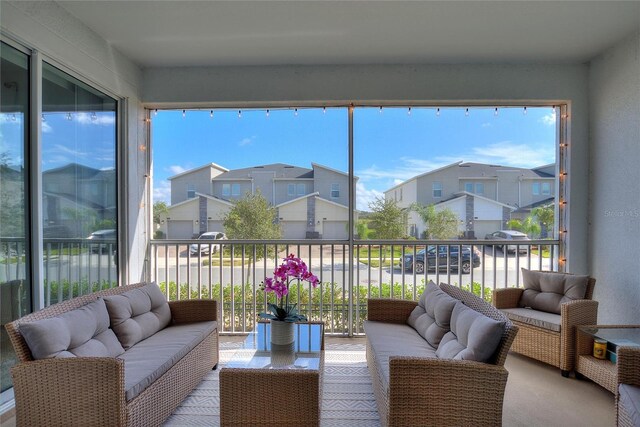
pixel 292 268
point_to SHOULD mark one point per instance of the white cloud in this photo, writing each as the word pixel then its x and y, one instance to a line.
pixel 162 191
pixel 364 196
pixel 486 125
pixel 95 119
pixel 408 168
pixel 59 148
pixel 176 169
pixel 549 119
pixel 46 128
pixel 517 155
pixel 247 141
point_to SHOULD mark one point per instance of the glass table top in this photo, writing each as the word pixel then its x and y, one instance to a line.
pixel 257 352
pixel 616 337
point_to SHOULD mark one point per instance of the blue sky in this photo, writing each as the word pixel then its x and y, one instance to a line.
pixel 389 146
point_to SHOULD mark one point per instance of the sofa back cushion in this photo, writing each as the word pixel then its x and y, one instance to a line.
pixel 83 332
pixel 473 336
pixel 137 314
pixel 547 291
pixel 432 316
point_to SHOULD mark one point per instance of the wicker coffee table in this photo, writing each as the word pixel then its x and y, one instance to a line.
pixel 279 386
pixel 604 371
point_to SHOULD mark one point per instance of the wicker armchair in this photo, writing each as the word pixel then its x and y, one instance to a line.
pixel 90 391
pixel 554 348
pixel 439 392
pixel 628 376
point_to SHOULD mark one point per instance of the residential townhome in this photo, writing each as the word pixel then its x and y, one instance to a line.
pixel 311 203
pixel 483 196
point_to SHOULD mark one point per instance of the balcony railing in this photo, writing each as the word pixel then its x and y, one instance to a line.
pixel 72 267
pixel 232 272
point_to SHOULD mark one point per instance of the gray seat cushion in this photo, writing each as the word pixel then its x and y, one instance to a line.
pixel 389 339
pixel 432 315
pixel 473 336
pixel 137 314
pixel 541 319
pixel 547 291
pixel 83 332
pixel 629 403
pixel 148 360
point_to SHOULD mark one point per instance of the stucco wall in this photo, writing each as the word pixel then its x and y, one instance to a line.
pixel 200 180
pixel 614 231
pixel 56 34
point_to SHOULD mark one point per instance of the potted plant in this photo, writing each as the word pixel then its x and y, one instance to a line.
pixel 282 314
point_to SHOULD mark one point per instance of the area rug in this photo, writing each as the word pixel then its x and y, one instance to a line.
pixel 347 399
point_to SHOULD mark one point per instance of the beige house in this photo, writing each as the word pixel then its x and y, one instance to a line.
pixel 483 196
pixel 311 203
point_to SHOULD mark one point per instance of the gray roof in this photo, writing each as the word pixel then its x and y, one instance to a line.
pixel 545 202
pixel 281 170
pixel 483 169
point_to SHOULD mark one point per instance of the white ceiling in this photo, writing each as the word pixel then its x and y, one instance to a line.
pixel 208 33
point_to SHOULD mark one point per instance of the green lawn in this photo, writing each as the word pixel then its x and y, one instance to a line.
pixel 383 255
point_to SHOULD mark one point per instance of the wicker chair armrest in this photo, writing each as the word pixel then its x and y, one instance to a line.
pixel 447 391
pixel 197 310
pixel 389 310
pixel 578 313
pixel 629 365
pixel 70 391
pixel 507 297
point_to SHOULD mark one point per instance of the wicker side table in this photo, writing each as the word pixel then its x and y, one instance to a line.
pixel 262 385
pixel 603 371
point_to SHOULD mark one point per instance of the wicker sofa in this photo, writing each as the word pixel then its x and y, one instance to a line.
pixel 417 383
pixel 628 393
pixel 82 383
pixel 548 333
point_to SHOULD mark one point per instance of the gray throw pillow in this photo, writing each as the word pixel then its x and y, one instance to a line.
pixel 547 291
pixel 137 314
pixel 432 316
pixel 83 332
pixel 473 336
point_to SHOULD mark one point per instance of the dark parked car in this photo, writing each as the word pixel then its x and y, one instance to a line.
pixel 466 262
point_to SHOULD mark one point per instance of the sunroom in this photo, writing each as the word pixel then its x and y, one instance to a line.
pixel 90 89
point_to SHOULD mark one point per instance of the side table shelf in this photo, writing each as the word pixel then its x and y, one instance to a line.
pixel 603 371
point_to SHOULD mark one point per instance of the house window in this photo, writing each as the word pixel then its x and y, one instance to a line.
pixel 235 189
pixel 468 187
pixel 300 189
pixel 546 188
pixel 191 191
pixel 437 189
pixel 536 188
pixel 226 189
pixel 335 190
pixel 479 188
pixel 291 189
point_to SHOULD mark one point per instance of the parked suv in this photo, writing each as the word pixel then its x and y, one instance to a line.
pixel 204 247
pixel 467 260
pixel 509 235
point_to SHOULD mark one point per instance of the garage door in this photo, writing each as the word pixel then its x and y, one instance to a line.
pixel 180 229
pixel 294 229
pixel 335 230
pixel 484 227
pixel 215 225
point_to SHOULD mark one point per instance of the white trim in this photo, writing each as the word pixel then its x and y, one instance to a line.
pixel 184 202
pixel 322 199
pixel 208 165
pixel 297 199
pixel 463 193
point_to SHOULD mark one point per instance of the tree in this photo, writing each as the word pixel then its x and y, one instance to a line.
pixel 252 217
pixel 441 225
pixel 529 226
pixel 387 218
pixel 545 216
pixel 362 229
pixel 159 208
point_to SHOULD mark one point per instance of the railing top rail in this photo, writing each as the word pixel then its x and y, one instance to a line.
pixel 306 242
